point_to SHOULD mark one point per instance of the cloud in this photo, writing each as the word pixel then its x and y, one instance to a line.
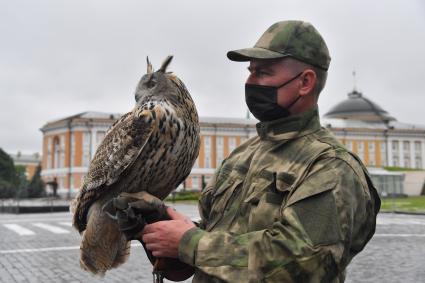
pixel 60 58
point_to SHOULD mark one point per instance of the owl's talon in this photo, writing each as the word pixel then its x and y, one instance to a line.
pixel 108 207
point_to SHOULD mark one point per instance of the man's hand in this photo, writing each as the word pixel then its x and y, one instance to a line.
pixel 162 238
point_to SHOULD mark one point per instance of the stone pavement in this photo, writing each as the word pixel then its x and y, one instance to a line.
pixel 44 248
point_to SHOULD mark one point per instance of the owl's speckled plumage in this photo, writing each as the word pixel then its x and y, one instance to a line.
pixel 152 148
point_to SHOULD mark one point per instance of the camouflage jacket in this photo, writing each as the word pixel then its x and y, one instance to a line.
pixel 290 205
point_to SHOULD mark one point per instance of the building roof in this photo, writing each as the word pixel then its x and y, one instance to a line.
pixel 88 115
pixel 375 125
pixel 98 116
pixel 20 158
pixel 228 120
pixel 358 107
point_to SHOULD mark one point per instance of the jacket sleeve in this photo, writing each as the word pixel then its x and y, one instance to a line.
pixel 324 222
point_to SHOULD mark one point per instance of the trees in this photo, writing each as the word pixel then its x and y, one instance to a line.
pixel 8 177
pixel 13 182
pixel 36 186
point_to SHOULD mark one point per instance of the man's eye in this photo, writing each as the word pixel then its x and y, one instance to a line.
pixel 262 73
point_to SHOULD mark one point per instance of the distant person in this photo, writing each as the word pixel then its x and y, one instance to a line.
pixel 54 184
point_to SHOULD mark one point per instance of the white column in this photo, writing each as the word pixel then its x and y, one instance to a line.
pixel 412 154
pixel 389 152
pixel 423 153
pixel 93 142
pixel 401 153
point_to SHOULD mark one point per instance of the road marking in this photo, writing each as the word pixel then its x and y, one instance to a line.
pixel 33 220
pixel 37 250
pixel 399 235
pixel 398 221
pixel 68 224
pixel 19 229
pixel 51 228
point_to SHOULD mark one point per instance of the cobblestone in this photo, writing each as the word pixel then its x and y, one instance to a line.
pixel 395 254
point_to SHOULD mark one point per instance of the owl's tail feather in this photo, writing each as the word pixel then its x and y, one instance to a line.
pixel 79 207
pixel 103 246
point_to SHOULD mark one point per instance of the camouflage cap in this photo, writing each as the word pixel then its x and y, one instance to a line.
pixel 296 39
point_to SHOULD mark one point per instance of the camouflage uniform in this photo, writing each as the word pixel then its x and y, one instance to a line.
pixel 291 205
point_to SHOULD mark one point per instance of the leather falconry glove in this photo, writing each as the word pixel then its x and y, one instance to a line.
pixel 133 212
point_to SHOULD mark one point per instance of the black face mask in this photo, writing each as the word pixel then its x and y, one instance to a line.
pixel 262 101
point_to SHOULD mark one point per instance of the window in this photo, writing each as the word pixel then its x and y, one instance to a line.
pixel 196 165
pixel 349 145
pixel 406 161
pixel 406 146
pixel 360 150
pixel 49 153
pixel 418 163
pixel 86 148
pixel 207 141
pixel 207 152
pixel 244 139
pixel 207 162
pixel 383 154
pixel 220 151
pixel 219 141
pixel 195 182
pixel 72 148
pixel 395 161
pixel 395 146
pixel 99 137
pixel 207 180
pixel 62 152
pixel 71 181
pixel 418 147
pixel 383 146
pixel 232 144
pixel 56 152
pixel 60 183
pixel 371 146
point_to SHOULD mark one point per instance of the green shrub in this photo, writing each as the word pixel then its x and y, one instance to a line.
pixel 7 190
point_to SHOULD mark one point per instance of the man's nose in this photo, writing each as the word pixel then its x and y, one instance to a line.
pixel 252 79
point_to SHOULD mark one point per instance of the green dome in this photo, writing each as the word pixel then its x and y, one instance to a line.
pixel 358 107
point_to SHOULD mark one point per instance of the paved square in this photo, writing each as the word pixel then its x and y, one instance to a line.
pixel 45 248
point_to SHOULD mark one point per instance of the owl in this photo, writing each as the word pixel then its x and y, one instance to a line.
pixel 152 148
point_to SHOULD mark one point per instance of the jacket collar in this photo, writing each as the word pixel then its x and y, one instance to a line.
pixel 290 127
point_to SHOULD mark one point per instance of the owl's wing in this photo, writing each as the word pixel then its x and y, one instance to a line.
pixel 119 149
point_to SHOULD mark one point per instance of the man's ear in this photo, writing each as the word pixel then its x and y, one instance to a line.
pixel 308 82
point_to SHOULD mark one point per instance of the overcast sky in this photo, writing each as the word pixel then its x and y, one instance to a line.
pixel 59 58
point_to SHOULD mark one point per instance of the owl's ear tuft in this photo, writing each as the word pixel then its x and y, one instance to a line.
pixel 149 66
pixel 165 64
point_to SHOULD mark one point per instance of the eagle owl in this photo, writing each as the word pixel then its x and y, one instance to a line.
pixel 152 148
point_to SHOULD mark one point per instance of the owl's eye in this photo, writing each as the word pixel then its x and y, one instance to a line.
pixel 151 82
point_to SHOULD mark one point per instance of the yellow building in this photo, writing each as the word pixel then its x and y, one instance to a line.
pixel 70 143
pixel 375 136
pixel 29 161
pixel 364 127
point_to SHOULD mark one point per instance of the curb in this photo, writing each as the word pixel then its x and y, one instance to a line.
pixel 33 209
pixel 403 212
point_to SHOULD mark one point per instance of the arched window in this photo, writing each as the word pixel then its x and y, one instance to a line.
pixel 56 152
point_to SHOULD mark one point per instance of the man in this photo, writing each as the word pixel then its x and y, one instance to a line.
pixel 290 205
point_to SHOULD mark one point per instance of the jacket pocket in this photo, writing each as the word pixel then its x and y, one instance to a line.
pixel 227 191
pixel 267 196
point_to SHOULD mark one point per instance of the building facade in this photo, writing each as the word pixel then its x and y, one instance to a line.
pixel 29 161
pixel 70 143
pixel 375 136
pixel 360 124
